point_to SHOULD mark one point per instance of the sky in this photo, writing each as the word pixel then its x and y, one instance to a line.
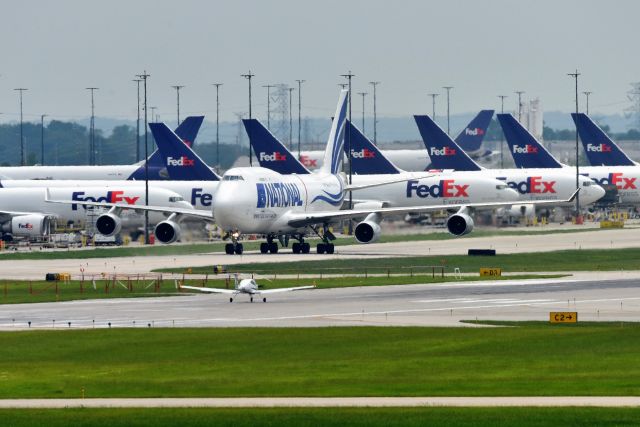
pixel 413 47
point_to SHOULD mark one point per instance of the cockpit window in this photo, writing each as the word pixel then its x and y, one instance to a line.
pixel 587 183
pixel 174 199
pixel 232 178
pixel 501 186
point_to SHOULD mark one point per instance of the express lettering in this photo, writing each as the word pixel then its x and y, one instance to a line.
pixel 278 195
pixel 116 196
pixel 198 196
pixel 445 188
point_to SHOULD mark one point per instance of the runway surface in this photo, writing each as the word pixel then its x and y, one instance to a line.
pixel 423 305
pixel 327 402
pixel 605 239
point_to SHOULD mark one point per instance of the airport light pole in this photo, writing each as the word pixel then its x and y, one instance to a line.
pixel 144 76
pixel 502 97
pixel 375 114
pixel 290 89
pixel 363 95
pixel 22 162
pixel 519 92
pixel 448 89
pixel 575 76
pixel 349 76
pixel 177 88
pixel 217 85
pixel 268 104
pixel 433 105
pixel 92 139
pixel 138 123
pixel 586 94
pixel 42 116
pixel 249 76
pixel 299 114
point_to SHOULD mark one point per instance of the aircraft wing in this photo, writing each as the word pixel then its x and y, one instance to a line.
pixel 166 209
pixel 273 291
pixel 210 290
pixel 311 218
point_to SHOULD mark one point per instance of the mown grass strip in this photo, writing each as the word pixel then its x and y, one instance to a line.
pixel 329 417
pixel 537 360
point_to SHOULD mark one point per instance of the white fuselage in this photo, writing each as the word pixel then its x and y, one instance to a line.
pixel 408 160
pixel 625 178
pixel 258 200
pixel 103 172
pixel 198 193
pixel 33 200
pixel 545 184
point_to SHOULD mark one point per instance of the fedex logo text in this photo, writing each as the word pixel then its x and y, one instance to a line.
pixel 362 154
pixel 116 196
pixel 527 149
pixel 308 161
pixel 474 132
pixel 181 161
pixel 532 185
pixel 600 148
pixel 445 188
pixel 444 151
pixel 198 196
pixel 273 157
pixel 619 180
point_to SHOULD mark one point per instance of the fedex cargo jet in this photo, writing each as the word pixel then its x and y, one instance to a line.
pixel 187 131
pixel 528 152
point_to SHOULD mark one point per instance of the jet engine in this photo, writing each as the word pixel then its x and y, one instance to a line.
pixel 368 231
pixel 460 224
pixel 108 224
pixel 517 211
pixel 167 231
pixel 33 225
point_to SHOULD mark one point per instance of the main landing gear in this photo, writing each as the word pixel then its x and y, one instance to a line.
pixel 269 246
pixel 301 247
pixel 234 247
pixel 326 247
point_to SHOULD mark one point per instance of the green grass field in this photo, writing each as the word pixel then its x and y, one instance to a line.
pixel 302 417
pixel 538 359
pixel 196 248
pixel 16 292
pixel 568 260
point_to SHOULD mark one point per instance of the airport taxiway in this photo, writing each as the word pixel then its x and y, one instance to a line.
pixel 544 242
pixel 421 305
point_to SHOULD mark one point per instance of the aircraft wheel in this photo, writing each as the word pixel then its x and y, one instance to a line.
pixel 239 248
pixel 306 248
pixel 230 299
pixel 264 300
pixel 264 248
pixel 228 248
pixel 295 248
pixel 273 248
pixel 321 248
pixel 251 299
pixel 330 248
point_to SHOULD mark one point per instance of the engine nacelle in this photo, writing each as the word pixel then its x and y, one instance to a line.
pixel 27 225
pixel 524 210
pixel 367 232
pixel 460 224
pixel 167 231
pixel 108 224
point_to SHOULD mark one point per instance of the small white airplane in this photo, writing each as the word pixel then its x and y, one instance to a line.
pixel 245 286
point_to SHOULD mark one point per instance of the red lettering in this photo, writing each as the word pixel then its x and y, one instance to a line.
pixel 535 184
pixel 461 190
pixel 131 200
pixel 447 186
pixel 548 186
pixel 629 184
pixel 616 179
pixel 116 196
